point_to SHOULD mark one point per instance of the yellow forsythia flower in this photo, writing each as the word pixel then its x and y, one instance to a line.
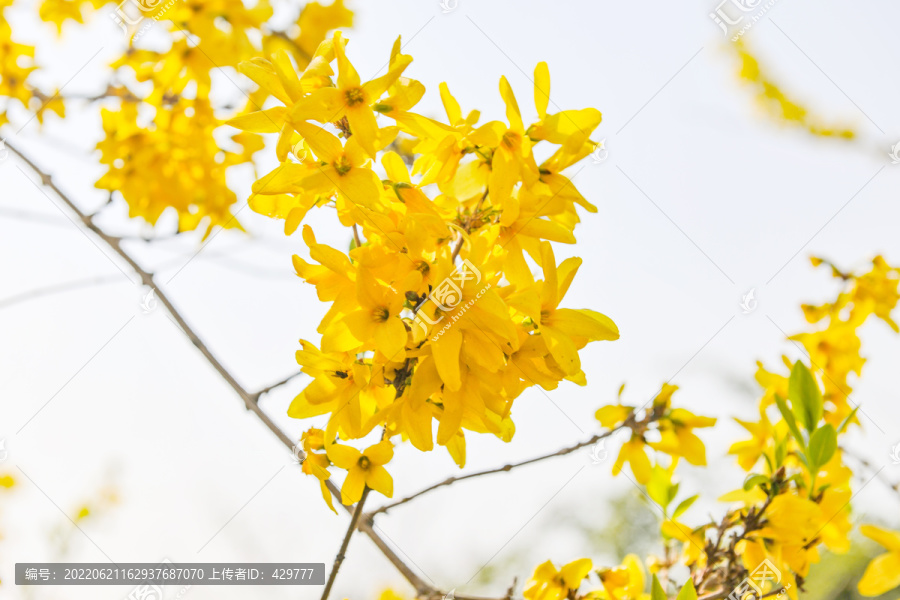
pixel 883 573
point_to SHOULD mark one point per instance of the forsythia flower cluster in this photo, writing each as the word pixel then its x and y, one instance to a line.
pixel 158 146
pixel 795 498
pixel 779 105
pixel 435 313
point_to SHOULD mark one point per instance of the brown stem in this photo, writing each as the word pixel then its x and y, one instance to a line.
pixel 470 221
pixel 146 277
pixel 300 51
pixel 339 559
pixel 509 467
pixel 267 389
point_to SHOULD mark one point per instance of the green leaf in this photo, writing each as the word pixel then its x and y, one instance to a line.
pixel 790 420
pixel 673 491
pixel 846 422
pixel 688 592
pixel 780 453
pixel 659 486
pixel 773 468
pixel 806 399
pixel 656 591
pixel 753 480
pixel 796 478
pixel 685 504
pixel 822 446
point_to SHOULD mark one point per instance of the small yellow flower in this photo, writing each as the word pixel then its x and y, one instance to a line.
pixel 363 469
pixel 883 573
pixel 612 415
pixel 633 453
pixel 548 583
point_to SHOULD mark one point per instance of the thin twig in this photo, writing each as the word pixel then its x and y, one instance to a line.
pixel 868 465
pixel 339 559
pixel 509 467
pixel 300 51
pixel 470 221
pixel 422 588
pixel 266 390
pixel 356 236
pixel 58 288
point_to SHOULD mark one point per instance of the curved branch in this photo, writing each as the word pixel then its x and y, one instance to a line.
pixel 505 468
pixel 146 277
pixel 339 559
pixel 56 289
pixel 266 390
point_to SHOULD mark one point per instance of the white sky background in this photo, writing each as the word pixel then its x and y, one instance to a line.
pixel 731 195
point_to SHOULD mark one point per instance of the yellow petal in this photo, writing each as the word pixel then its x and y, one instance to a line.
pixel 395 167
pixel 261 121
pixel 380 453
pixel 541 88
pixel 888 539
pixel 390 338
pixel 584 323
pixel 451 106
pixel 326 494
pixel 342 456
pixel 446 357
pixel 691 448
pixel 504 175
pixel 881 576
pixel 361 187
pixel 364 127
pixel 380 480
pixel 353 486
pixel 612 415
pixel 324 144
pixel 513 114
pixel 575 572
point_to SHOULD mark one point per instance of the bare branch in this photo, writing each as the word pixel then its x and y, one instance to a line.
pixel 266 390
pixel 868 465
pixel 294 45
pixel 422 588
pixel 469 223
pixel 505 468
pixel 33 216
pixel 339 559
pixel 56 289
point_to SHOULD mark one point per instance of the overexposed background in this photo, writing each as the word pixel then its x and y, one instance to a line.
pixel 701 199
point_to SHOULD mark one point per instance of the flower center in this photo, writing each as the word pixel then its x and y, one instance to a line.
pixel 512 140
pixel 364 463
pixel 342 165
pixel 354 96
pixel 381 314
